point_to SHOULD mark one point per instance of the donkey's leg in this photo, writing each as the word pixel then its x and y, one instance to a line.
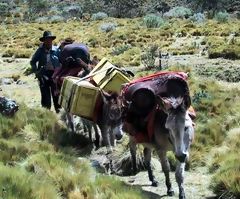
pixel 89 127
pixel 112 138
pixel 97 136
pixel 179 178
pixel 106 138
pixel 166 169
pixel 70 122
pixel 133 151
pixel 147 159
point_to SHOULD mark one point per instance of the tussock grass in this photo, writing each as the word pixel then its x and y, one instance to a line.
pixel 226 166
pixel 18 183
pixel 34 162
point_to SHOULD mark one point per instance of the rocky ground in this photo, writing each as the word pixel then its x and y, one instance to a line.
pixel 25 89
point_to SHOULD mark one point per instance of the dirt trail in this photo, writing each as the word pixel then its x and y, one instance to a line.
pixel 196 184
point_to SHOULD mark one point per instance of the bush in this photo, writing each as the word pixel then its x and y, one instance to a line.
pixel 38 7
pixel 198 18
pixel 4 9
pixel 107 27
pixel 121 49
pixel 56 19
pixel 149 56
pixel 99 16
pixel 153 21
pixel 41 20
pixel 222 17
pixel 72 11
pixel 178 12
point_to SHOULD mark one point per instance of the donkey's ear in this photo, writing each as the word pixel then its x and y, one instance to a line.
pixel 164 103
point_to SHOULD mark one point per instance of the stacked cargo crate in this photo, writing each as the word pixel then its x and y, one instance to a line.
pixel 82 98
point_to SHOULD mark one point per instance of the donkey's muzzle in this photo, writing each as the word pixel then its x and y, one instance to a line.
pixel 182 157
pixel 118 136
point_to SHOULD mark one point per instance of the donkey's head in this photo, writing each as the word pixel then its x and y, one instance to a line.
pixel 113 113
pixel 176 111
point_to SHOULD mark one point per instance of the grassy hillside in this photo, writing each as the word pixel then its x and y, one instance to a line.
pixel 127 38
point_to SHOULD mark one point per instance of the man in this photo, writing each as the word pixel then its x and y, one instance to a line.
pixel 44 62
pixel 75 59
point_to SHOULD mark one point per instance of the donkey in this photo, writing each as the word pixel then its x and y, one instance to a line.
pixel 172 129
pixel 108 121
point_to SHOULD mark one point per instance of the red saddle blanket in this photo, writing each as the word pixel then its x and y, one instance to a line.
pixel 156 83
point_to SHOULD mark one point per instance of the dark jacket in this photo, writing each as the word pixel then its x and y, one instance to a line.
pixel 39 59
pixel 74 50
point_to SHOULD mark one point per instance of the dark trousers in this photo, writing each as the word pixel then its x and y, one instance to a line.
pixel 47 88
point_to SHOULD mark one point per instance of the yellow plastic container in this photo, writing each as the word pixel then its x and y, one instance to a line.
pixel 113 82
pixel 79 98
pixel 108 80
pixel 100 65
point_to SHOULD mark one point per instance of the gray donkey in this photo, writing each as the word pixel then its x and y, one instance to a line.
pixel 172 129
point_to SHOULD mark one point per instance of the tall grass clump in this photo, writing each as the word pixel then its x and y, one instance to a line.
pixel 65 171
pixel 226 167
pixel 99 16
pixel 15 182
pixel 153 21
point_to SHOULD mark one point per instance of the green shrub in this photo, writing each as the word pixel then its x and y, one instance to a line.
pixel 56 19
pixel 120 49
pixel 72 11
pixel 178 12
pixel 198 18
pixel 149 56
pixel 108 27
pixel 153 21
pixel 99 16
pixel 38 7
pixel 222 17
pixel 41 20
pixel 4 9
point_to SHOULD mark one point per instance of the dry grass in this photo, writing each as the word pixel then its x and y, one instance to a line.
pixel 129 31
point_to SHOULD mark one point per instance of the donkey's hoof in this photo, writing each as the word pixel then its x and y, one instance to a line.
pixel 182 196
pixel 155 183
pixel 170 192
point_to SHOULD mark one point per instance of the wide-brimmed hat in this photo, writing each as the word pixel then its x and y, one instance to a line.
pixel 67 41
pixel 47 34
